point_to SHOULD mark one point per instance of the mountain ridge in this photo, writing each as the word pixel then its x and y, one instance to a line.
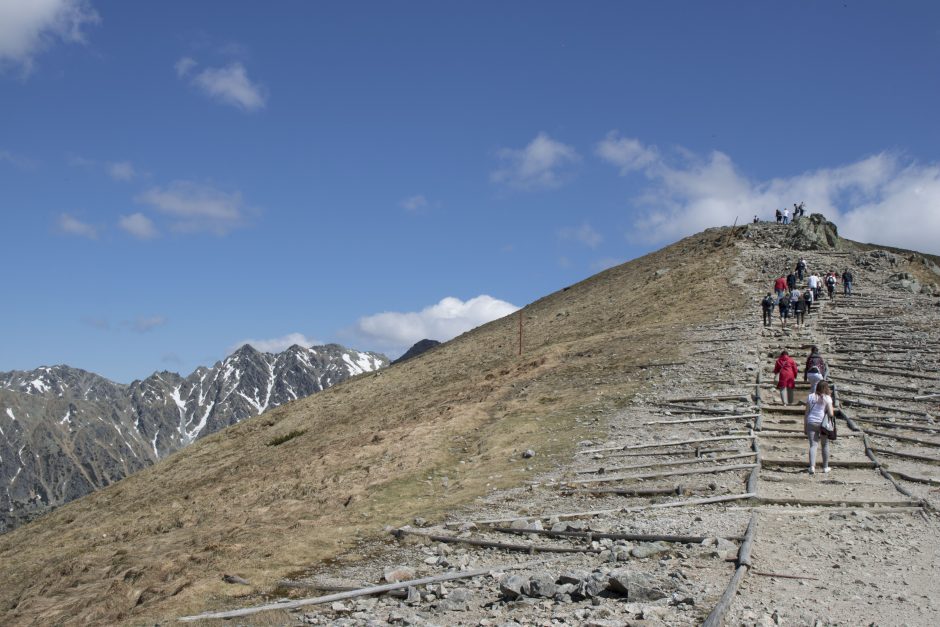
pixel 66 431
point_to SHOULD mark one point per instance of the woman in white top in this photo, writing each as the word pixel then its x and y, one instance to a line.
pixel 818 409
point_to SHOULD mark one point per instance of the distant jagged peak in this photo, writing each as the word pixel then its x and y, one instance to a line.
pixel 419 347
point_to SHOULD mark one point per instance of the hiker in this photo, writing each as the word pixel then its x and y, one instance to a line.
pixel 755 219
pixel 800 268
pixel 786 215
pixel 785 370
pixel 784 304
pixel 797 306
pixel 831 284
pixel 847 279
pixel 767 304
pixel 791 281
pixel 808 300
pixel 780 286
pixel 816 369
pixel 818 409
pixel 779 217
pixel 815 284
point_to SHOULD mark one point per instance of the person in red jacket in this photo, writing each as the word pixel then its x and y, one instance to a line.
pixel 786 370
pixel 780 286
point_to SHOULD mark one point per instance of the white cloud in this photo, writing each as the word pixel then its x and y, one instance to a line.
pixel 584 234
pixel 121 171
pixel 196 207
pixel 27 27
pixel 184 65
pixel 443 321
pixel 884 198
pixel 143 324
pixel 73 226
pixel 138 225
pixel 626 153
pixel 542 164
pixel 229 85
pixel 278 344
pixel 414 204
pixel 17 160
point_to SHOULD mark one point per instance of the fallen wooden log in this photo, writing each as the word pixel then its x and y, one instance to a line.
pixel 637 447
pixel 912 478
pixel 897 425
pixel 874 383
pixel 618 510
pixel 697 410
pixel 904 438
pixel 766 500
pixel 884 472
pixel 896 373
pixel 693 420
pixel 717 615
pixel 489 544
pixel 681 462
pixel 793 463
pixel 351 594
pixel 625 491
pixel 898 410
pixel 717 397
pixel 594 535
pixel 660 475
pixel 920 458
pixel 782 576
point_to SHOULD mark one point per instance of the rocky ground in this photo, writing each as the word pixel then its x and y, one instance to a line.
pixel 646 526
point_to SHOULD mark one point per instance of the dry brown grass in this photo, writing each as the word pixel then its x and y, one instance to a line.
pixel 374 451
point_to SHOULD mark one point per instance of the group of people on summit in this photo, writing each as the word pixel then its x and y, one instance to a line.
pixel 791 301
pixel 783 217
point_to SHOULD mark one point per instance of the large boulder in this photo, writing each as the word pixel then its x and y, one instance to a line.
pixel 814 233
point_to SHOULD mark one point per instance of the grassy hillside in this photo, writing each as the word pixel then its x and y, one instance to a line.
pixel 302 483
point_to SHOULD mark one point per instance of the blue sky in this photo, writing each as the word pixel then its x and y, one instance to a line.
pixel 179 177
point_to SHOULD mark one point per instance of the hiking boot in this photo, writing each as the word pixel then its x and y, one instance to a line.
pixel 826 469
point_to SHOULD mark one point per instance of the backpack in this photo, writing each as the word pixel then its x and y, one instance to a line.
pixel 815 362
pixel 767 303
pixel 830 281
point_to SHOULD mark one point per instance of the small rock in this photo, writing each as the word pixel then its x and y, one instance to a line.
pixel 528 453
pixel 396 574
pixel 542 585
pixel 513 587
pixel 420 522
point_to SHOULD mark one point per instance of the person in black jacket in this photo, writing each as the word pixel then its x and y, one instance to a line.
pixel 791 282
pixel 768 306
pixel 847 279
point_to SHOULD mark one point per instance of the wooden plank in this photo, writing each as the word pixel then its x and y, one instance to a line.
pixel 693 420
pixel 920 458
pixel 766 500
pixel 352 594
pixel 793 463
pixel 637 447
pixel 618 510
pixel 902 438
pixel 717 615
pixel 594 535
pixel 717 397
pixel 659 475
pixel 489 544
pixel 681 462
pixel 912 478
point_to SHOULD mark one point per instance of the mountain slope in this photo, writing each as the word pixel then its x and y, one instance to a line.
pixel 303 482
pixel 65 432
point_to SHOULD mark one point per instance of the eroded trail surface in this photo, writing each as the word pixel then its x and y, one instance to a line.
pixel 702 477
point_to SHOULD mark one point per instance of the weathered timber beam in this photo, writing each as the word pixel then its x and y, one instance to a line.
pixel 793 463
pixel 906 477
pixel 595 535
pixel 661 444
pixel 626 491
pixel 660 475
pixel 765 500
pixel 902 438
pixel 680 462
pixel 896 425
pixel 351 594
pixel 903 455
pixel 618 510
pixel 718 397
pixel 489 544
pixel 716 617
pixel 694 420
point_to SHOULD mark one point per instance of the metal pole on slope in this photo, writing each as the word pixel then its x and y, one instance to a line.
pixel 520 333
